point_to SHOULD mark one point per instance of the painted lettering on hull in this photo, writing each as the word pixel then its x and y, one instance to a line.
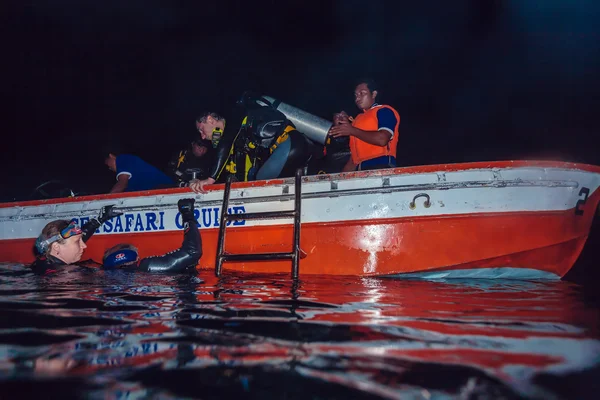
pixel 151 221
pixel 210 217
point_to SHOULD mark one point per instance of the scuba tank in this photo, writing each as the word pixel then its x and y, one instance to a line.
pixel 316 129
pixel 265 126
pixel 313 127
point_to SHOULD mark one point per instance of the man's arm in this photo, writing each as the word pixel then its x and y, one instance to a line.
pixel 188 255
pixel 386 125
pixel 106 213
pixel 121 185
pixel 377 138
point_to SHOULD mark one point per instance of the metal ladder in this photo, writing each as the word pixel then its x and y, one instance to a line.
pixel 294 255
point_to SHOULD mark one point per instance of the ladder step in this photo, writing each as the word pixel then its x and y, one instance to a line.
pixel 257 257
pixel 261 215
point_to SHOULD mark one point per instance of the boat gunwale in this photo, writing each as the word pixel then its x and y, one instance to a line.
pixel 440 168
pixel 336 193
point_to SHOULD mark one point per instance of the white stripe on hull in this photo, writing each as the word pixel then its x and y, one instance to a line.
pixel 333 199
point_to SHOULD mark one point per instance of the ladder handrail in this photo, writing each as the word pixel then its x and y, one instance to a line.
pixel 297 214
pixel 222 226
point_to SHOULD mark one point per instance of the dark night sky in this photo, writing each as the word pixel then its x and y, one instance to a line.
pixel 473 80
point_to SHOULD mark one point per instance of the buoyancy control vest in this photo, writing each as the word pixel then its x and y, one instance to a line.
pixel 261 131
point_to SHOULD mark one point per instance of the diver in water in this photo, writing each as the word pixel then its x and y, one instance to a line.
pixel 258 143
pixel 62 243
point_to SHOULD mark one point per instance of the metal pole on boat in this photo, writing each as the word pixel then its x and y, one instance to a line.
pixel 297 214
pixel 221 241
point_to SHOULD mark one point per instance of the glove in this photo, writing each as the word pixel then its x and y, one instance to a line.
pixel 186 208
pixel 108 212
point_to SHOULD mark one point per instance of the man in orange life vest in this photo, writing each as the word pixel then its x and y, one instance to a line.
pixel 373 134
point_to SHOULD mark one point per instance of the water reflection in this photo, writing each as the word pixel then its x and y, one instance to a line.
pixel 123 335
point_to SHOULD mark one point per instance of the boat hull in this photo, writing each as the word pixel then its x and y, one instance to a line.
pixel 527 220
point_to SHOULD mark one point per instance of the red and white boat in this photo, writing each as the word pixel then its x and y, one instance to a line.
pixel 512 219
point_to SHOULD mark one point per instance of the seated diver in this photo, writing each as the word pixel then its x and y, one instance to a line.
pixel 192 162
pixel 336 154
pixel 62 243
pixel 258 143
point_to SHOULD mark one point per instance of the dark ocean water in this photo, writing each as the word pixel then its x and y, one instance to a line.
pixel 86 333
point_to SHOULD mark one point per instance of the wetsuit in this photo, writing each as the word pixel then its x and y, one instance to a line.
pixel 334 158
pixel 185 257
pixel 258 143
pixel 184 165
pixel 44 265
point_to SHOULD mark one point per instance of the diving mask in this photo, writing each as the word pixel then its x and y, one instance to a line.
pixel 72 229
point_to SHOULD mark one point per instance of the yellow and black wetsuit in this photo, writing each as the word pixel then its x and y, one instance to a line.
pixel 260 143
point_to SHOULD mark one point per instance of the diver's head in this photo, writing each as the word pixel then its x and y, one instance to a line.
pixel 208 123
pixel 200 147
pixel 63 240
pixel 365 93
pixel 121 255
pixel 111 162
pixel 110 153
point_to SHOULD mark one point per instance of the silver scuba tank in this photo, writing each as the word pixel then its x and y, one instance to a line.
pixel 313 127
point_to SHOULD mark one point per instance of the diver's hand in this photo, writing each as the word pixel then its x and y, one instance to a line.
pixel 198 185
pixel 108 212
pixel 341 117
pixel 344 128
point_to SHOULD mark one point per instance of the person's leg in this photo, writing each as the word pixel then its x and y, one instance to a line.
pixel 275 163
pixel 292 154
pixel 301 150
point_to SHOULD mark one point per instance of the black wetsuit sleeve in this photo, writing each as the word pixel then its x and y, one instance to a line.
pixel 230 134
pixel 90 227
pixel 186 256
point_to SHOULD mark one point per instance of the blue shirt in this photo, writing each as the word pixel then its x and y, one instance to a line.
pixel 142 176
pixel 386 120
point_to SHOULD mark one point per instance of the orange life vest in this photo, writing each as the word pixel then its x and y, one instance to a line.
pixel 367 121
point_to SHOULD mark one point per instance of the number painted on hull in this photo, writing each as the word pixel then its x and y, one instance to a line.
pixel 585 192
